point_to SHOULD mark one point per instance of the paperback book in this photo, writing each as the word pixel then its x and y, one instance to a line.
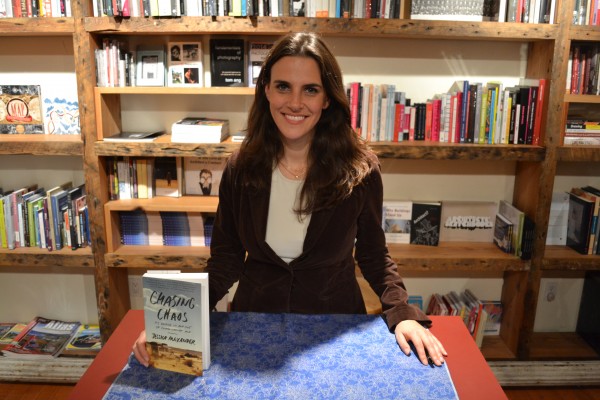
pixel 257 53
pixel 21 109
pixel 176 315
pixel 185 64
pixel 167 176
pixel 227 64
pixel 396 221
pixel 85 342
pixel 199 130
pixel 202 175
pixel 145 136
pixel 425 223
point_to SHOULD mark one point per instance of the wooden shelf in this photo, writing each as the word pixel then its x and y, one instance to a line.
pixel 370 27
pixel 162 147
pixel 582 98
pixel 563 258
pixel 560 346
pixel 578 153
pixel 37 26
pixel 33 256
pixel 584 32
pixel 494 348
pixel 158 257
pixel 53 145
pixel 205 204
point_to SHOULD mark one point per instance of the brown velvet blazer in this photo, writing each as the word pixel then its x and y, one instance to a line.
pixel 322 279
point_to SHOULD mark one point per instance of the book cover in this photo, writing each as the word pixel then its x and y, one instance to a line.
pixel 396 221
pixel 425 223
pixel 166 177
pixel 468 221
pixel 175 228
pixel 134 228
pixel 579 225
pixel 199 130
pixel 516 217
pixel 176 316
pixel 184 64
pixel 227 64
pixel 494 321
pixel 257 53
pixel 21 109
pixel 11 334
pixel 202 175
pixel 503 231
pixel 41 338
pixel 85 342
pixel 145 136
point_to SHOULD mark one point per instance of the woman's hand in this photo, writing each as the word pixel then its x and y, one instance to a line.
pixel 424 341
pixel 139 349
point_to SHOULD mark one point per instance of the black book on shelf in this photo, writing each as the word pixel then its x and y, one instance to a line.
pixel 579 224
pixel 227 64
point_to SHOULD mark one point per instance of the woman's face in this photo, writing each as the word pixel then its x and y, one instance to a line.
pixel 296 97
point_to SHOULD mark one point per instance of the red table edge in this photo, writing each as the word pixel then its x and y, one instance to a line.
pixel 470 373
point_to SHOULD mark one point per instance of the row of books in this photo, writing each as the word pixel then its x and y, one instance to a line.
pixel 482 317
pixel 34 8
pixel 583 227
pixel 583 69
pixel 144 178
pixel 151 228
pixel 429 223
pixel 43 338
pixel 469 112
pixel 50 219
pixel 586 12
pixel 582 132
pixel 233 62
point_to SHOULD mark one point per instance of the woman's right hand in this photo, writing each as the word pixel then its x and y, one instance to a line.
pixel 139 349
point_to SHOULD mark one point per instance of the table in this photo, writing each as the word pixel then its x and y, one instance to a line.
pixel 472 377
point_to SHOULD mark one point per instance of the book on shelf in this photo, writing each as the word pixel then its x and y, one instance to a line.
pixel 199 130
pixel 235 137
pixel 184 64
pixel 176 317
pixel 75 200
pixel 503 231
pixel 257 53
pixel 11 333
pixel 494 310
pixel 468 221
pixel 558 219
pixel 425 223
pixel 41 338
pixel 150 66
pixel 134 228
pixel 579 225
pixel 516 218
pixel 130 136
pixel 527 238
pixel 21 109
pixel 397 216
pixel 227 62
pixel 416 300
pixel 167 176
pixel 202 175
pixel 477 10
pixel 86 341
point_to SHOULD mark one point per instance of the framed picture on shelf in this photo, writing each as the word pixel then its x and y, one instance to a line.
pixel 185 64
pixel 150 67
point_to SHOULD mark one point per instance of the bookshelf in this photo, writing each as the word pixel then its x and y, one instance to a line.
pixel 534 174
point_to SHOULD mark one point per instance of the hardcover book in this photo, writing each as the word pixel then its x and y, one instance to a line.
pixel 579 226
pixel 396 221
pixel 425 223
pixel 184 61
pixel 468 221
pixel 21 109
pixel 41 338
pixel 227 64
pixel 202 175
pixel 199 130
pixel 176 315
pixel 146 136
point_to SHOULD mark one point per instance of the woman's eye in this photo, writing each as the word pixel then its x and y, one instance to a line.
pixel 312 90
pixel 282 87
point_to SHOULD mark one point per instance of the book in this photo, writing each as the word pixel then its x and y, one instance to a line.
pixel 476 10
pixel 176 317
pixel 11 334
pixel 257 53
pixel 494 316
pixel 144 136
pixel 503 231
pixel 558 219
pixel 516 218
pixel 166 176
pixel 21 109
pixel 85 342
pixel 199 130
pixel 184 64
pixel 468 221
pixel 425 223
pixel 579 225
pixel 227 64
pixel 396 221
pixel 41 338
pixel 202 175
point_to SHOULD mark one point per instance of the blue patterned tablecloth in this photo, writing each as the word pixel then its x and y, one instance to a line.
pixel 293 356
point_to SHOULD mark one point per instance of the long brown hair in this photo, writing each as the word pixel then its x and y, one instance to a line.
pixel 338 158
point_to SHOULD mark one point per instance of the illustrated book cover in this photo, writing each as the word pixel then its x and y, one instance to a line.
pixel 9 335
pixel 468 221
pixel 202 175
pixel 176 315
pixel 41 338
pixel 396 221
pixel 85 342
pixel 257 53
pixel 425 223
pixel 167 176
pixel 199 130
pixel 184 64
pixel 227 64
pixel 516 218
pixel 21 109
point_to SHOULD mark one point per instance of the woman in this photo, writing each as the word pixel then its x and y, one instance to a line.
pixel 302 201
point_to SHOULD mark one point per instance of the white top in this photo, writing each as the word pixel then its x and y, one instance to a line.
pixel 285 233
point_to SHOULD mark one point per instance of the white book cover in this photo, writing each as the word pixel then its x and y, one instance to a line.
pixel 176 315
pixel 184 61
pixel 202 175
pixel 396 221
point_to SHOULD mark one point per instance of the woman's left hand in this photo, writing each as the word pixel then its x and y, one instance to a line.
pixel 425 343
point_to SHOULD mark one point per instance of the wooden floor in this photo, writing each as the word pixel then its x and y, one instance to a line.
pixel 33 391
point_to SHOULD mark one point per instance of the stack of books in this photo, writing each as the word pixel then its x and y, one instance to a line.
pixel 139 228
pixel 199 130
pixel 581 132
pixel 514 231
